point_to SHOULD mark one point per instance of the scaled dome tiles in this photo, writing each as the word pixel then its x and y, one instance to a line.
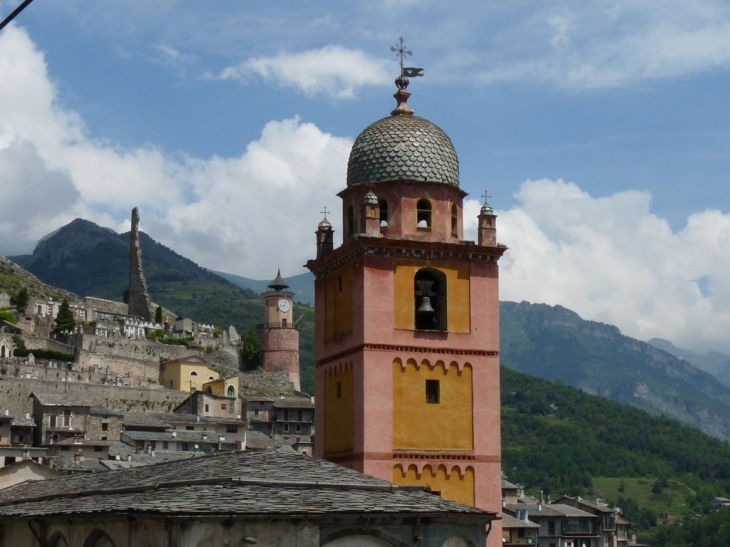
pixel 403 147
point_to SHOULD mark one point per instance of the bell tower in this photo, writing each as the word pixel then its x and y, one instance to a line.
pixel 407 320
pixel 278 332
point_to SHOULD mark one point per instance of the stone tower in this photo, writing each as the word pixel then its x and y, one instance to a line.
pixel 278 333
pixel 138 301
pixel 407 320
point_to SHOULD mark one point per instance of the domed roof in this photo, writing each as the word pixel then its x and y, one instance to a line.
pixel 403 147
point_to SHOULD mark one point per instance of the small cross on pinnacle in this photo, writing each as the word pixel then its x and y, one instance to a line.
pixel 325 212
pixel 400 50
pixel 486 197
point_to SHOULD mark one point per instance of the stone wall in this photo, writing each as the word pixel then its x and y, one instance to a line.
pixel 14 393
pixel 265 383
pixel 133 358
pixel 37 342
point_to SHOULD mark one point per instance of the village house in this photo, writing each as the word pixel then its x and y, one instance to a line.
pixel 559 525
pixel 187 373
pixel 613 527
pixel 60 416
pixel 518 530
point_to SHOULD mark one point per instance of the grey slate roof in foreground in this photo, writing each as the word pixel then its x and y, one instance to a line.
pixel 267 483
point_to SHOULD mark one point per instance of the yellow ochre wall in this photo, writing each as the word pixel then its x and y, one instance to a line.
pixel 452 487
pixel 457 293
pixel 339 415
pixel 181 378
pixel 418 425
pixel 338 303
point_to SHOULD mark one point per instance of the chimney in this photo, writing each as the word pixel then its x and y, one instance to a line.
pixel 27 415
pixel 129 457
pixel 6 412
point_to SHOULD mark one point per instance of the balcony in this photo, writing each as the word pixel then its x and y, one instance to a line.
pixel 578 529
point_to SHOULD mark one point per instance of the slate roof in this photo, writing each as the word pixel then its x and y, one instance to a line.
pixel 62 399
pixel 508 521
pixel 142 419
pixel 99 410
pixel 22 421
pixel 293 402
pixel 193 419
pixel 257 440
pixel 265 484
pixel 403 147
pixel 552 510
pixel 183 436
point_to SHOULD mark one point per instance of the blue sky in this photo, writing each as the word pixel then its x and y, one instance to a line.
pixel 598 128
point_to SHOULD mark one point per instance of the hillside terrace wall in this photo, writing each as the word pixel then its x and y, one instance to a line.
pixel 14 393
pixel 215 352
pixel 37 342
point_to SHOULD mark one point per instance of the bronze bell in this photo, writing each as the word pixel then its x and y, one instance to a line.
pixel 425 306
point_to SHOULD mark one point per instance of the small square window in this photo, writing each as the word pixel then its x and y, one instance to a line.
pixel 223 406
pixel 432 391
pixel 105 427
pixel 98 449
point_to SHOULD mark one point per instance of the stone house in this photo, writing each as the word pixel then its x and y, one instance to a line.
pixel 236 499
pixel 61 416
pixel 280 416
pixel 559 525
pixel 518 530
pixel 613 527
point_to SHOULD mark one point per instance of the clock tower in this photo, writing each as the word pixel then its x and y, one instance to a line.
pixel 407 320
pixel 278 333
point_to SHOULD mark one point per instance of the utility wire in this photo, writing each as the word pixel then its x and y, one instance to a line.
pixel 12 16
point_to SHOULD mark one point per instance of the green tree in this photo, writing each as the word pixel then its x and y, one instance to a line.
pixel 158 315
pixel 65 318
pixel 251 350
pixel 20 301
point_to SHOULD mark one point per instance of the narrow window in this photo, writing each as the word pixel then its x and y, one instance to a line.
pixel 454 220
pixel 105 426
pixel 231 391
pixel 283 322
pixel 298 428
pixel 206 407
pixel 432 391
pixel 53 421
pixel 165 445
pixel 66 418
pixel 170 384
pixel 339 390
pixel 339 283
pixel 350 221
pixel 383 213
pixel 423 214
pixel 286 427
pixel 299 415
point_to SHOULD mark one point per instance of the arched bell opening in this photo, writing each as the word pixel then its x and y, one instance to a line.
pixel 430 299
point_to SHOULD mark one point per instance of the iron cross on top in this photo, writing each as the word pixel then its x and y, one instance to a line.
pixel 400 49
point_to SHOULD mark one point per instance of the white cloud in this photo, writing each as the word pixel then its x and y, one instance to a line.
pixel 242 214
pixel 588 45
pixel 331 70
pixel 611 260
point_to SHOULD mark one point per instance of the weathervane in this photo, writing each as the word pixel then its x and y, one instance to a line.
pixel 400 49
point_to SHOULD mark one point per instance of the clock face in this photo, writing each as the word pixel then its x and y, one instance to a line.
pixel 284 305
